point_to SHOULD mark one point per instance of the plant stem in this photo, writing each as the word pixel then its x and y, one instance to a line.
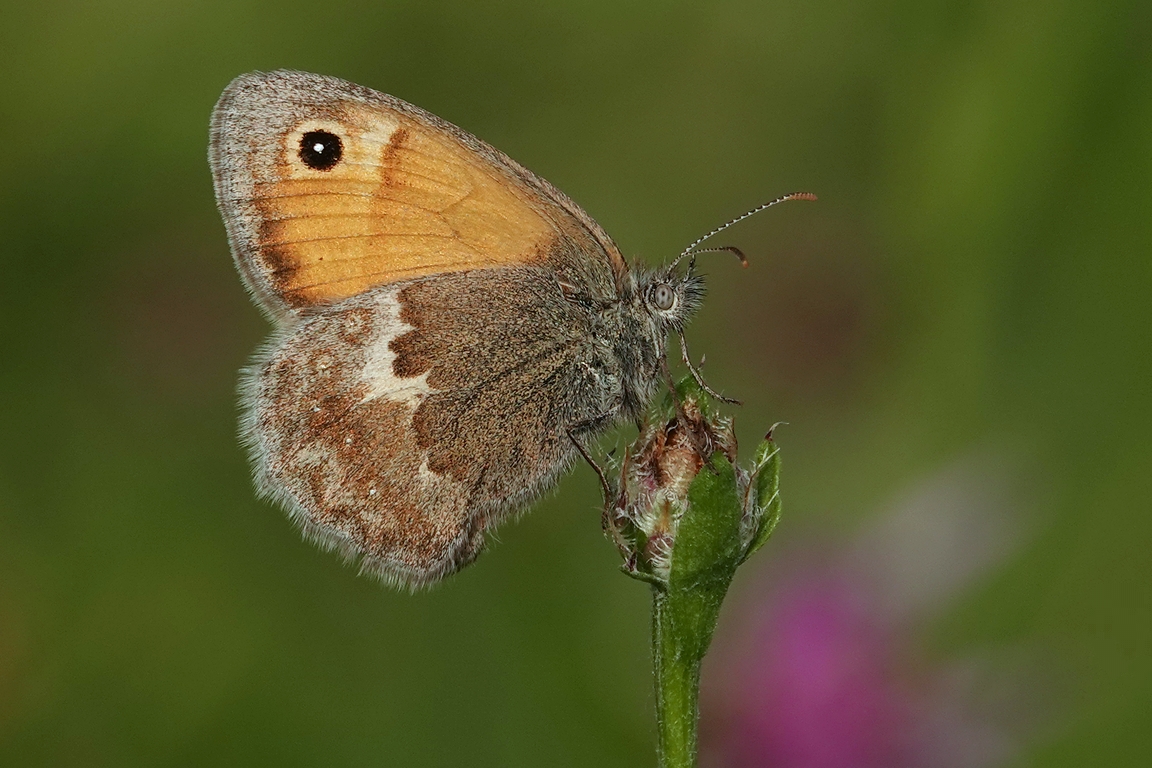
pixel 682 626
pixel 677 690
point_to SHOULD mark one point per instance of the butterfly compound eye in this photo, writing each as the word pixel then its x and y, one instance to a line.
pixel 664 297
pixel 320 150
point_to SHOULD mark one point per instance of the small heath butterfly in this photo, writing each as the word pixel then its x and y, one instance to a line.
pixel 449 327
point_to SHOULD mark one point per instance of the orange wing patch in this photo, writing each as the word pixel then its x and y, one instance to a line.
pixel 402 201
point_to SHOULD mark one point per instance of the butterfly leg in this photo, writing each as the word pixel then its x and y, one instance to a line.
pixel 700 379
pixel 614 515
pixel 614 502
pixel 605 486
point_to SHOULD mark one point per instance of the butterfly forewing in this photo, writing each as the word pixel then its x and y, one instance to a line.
pixel 329 189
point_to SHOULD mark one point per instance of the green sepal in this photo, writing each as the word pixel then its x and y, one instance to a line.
pixel 764 505
pixel 686 389
pixel 645 576
pixel 708 543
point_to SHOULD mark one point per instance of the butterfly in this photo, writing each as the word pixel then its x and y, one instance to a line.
pixel 449 327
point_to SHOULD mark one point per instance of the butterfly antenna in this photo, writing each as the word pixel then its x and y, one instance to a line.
pixel 691 249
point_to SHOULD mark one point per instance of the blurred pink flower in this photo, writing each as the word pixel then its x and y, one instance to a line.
pixel 823 670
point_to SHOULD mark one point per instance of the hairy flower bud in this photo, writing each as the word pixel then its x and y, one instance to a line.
pixel 661 481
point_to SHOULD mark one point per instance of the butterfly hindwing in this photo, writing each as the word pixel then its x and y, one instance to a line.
pixel 399 425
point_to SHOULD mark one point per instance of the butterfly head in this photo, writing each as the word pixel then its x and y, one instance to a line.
pixel 670 298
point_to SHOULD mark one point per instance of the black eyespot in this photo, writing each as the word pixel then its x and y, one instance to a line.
pixel 664 297
pixel 320 150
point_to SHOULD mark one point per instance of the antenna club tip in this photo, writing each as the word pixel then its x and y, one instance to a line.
pixel 801 196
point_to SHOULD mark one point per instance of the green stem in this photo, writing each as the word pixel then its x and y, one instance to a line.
pixel 682 624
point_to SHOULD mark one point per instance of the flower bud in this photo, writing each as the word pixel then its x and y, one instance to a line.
pixel 660 475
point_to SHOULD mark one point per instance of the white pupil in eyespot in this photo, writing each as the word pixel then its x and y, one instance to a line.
pixel 665 297
pixel 318 148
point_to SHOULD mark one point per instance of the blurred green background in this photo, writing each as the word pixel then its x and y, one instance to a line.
pixel 976 276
